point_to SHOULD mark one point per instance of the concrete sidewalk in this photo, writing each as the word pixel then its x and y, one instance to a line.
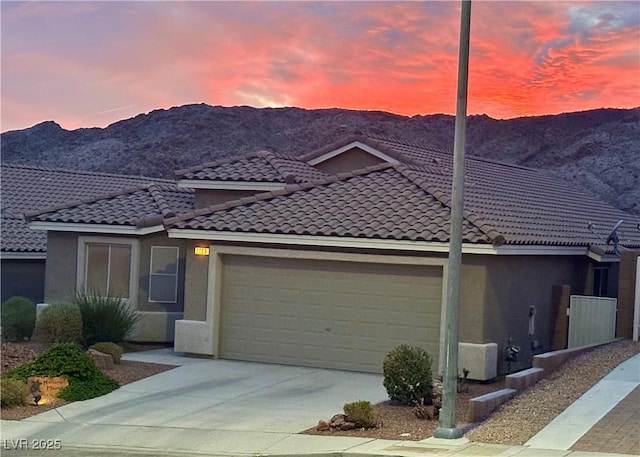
pixel 577 421
pixel 149 418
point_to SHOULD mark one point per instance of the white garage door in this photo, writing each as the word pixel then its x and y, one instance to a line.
pixel 329 314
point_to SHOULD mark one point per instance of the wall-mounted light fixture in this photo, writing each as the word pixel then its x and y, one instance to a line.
pixel 200 250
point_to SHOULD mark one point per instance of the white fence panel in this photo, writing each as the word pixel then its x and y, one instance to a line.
pixel 592 320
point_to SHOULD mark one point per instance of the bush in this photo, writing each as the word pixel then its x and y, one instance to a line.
pixel 105 319
pixel 407 375
pixel 18 318
pixel 13 392
pixel 112 349
pixel 361 413
pixel 60 323
pixel 70 361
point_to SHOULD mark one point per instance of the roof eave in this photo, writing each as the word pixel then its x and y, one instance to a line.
pixel 23 255
pixel 95 228
pixel 376 243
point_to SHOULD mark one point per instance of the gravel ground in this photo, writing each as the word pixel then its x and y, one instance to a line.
pixel 516 421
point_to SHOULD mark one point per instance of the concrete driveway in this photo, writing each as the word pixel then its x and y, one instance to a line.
pixel 204 398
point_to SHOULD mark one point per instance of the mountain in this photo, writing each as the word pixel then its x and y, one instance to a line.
pixel 597 151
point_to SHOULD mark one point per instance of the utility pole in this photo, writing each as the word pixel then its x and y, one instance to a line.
pixel 447 426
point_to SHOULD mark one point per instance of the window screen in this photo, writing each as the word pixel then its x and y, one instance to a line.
pixel 108 269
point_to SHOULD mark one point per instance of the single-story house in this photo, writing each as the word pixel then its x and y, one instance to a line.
pixel 26 188
pixel 334 258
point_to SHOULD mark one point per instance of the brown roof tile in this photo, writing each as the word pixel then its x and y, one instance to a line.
pixel 27 188
pixel 380 202
pixel 261 166
pixel 504 203
pixel 137 207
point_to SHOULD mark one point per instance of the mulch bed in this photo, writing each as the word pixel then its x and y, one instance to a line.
pixel 400 422
pixel 16 354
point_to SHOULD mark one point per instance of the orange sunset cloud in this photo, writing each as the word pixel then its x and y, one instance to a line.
pixel 92 63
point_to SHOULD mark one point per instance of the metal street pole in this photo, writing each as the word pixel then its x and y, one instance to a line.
pixel 447 426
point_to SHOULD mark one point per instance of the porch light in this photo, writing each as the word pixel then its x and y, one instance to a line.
pixel 200 250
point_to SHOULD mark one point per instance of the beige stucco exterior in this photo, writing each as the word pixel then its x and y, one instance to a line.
pixel 497 293
pixel 354 159
pixel 157 321
pixel 210 197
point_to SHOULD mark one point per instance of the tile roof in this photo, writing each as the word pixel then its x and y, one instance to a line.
pixel 383 202
pixel 261 166
pixel 139 207
pixel 28 188
pixel 507 203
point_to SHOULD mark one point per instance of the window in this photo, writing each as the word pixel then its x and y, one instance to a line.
pixel 601 281
pixel 107 266
pixel 163 274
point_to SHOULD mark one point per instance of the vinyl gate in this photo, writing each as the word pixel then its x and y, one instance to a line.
pixel 592 320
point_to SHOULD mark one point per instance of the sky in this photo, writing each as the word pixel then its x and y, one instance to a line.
pixel 89 64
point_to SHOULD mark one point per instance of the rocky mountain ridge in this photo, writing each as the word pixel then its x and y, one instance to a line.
pixel 598 150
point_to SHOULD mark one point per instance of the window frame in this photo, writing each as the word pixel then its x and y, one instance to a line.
pixel 83 258
pixel 176 275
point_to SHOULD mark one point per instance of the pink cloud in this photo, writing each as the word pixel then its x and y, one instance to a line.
pixel 85 63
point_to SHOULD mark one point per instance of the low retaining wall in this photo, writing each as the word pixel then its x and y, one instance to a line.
pixel 543 365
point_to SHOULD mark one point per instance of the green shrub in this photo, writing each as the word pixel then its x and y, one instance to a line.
pixel 13 392
pixel 59 323
pixel 407 375
pixel 361 413
pixel 18 318
pixel 112 349
pixel 70 361
pixel 105 319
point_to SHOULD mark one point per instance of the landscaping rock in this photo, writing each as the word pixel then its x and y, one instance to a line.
pixel 323 426
pixel 337 420
pixel 348 426
pixel 103 361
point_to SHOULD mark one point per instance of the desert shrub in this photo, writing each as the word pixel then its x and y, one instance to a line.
pixel 407 375
pixel 361 413
pixel 13 392
pixel 59 323
pixel 105 319
pixel 70 361
pixel 18 318
pixel 112 349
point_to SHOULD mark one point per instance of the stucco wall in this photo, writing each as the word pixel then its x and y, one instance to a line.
pixel 497 292
pixel 196 279
pixel 513 285
pixel 23 278
pixel 354 160
pixel 208 197
pixel 60 281
pixel 472 294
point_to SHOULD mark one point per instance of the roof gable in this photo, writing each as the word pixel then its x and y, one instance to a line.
pixel 257 168
pixel 382 202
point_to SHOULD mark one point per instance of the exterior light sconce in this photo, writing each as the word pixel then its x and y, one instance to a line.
pixel 200 250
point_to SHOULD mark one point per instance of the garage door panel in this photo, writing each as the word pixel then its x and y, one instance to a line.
pixel 341 315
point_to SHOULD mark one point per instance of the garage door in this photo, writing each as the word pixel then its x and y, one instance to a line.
pixel 330 314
